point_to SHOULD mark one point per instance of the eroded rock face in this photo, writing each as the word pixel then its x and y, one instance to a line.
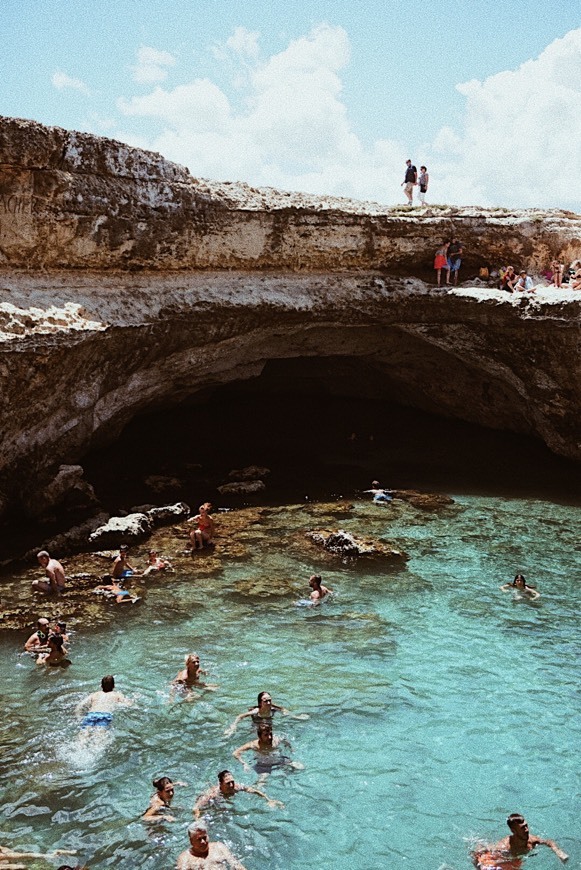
pixel 127 285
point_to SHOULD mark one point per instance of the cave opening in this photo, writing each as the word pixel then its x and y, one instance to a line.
pixel 325 427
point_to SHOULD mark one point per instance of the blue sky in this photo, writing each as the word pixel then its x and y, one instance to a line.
pixel 327 97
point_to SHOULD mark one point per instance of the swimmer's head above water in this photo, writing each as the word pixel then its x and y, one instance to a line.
pixel 164 786
pixel 227 782
pixel 108 683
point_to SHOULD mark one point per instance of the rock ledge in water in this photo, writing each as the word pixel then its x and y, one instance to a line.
pixel 348 547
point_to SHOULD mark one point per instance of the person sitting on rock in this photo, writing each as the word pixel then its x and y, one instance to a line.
pixel 54 572
pixel 121 567
pixel 508 279
pixel 202 536
pixel 524 282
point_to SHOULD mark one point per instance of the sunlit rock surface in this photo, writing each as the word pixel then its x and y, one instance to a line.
pixel 129 285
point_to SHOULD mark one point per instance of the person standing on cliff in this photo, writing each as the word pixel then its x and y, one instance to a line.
pixel 455 252
pixel 54 572
pixel 410 181
pixel 423 181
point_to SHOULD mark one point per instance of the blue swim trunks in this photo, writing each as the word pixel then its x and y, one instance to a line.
pixel 127 573
pixel 382 496
pixel 97 720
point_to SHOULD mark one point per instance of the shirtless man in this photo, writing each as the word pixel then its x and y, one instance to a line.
pixel 189 677
pixel 318 590
pixel 101 705
pixel 227 788
pixel 53 570
pixel 203 855
pixel 519 842
pixel 39 639
pixel 264 746
pixel 121 567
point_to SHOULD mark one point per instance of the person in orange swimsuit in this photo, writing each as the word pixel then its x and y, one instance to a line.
pixel 202 536
pixel 441 262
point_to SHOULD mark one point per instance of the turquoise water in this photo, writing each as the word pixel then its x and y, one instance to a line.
pixel 438 704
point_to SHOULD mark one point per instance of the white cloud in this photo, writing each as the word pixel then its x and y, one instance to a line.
pixel 521 138
pixel 151 65
pixel 62 81
pixel 244 42
pixel 519 142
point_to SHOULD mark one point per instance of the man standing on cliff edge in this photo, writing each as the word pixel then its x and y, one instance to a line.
pixel 410 181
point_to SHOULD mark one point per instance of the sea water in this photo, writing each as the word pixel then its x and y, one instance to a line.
pixel 437 703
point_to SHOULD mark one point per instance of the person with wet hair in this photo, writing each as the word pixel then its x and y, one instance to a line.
pixel 161 799
pixel 57 653
pixel 227 787
pixel 204 855
pixel 189 677
pixel 318 591
pixel 264 710
pixel 519 842
pixel 101 705
pixel 265 747
pixel 520 585
pixel 155 563
pixel 39 640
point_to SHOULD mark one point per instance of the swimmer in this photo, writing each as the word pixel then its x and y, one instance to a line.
pixel 189 677
pixel 519 842
pixel 57 653
pixel 318 590
pixel 202 536
pixel 161 800
pixel 116 591
pixel 60 627
pixel 227 788
pixel 55 573
pixel 121 567
pixel 380 494
pixel 264 710
pixel 265 746
pixel 155 563
pixel 519 584
pixel 38 640
pixel 101 705
pixel 203 854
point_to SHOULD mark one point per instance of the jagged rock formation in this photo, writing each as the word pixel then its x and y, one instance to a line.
pixel 129 285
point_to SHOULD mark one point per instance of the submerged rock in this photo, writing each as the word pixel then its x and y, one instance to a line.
pixel 242 488
pixel 427 501
pixel 251 472
pixel 267 587
pixel 349 548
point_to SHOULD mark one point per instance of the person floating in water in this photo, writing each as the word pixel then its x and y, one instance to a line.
pixel 379 494
pixel 204 854
pixel 155 563
pixel 121 567
pixel 505 855
pixel 264 711
pixel 39 640
pixel 319 592
pixel 519 585
pixel 227 788
pixel 55 573
pixel 57 653
pixel 161 800
pixel 189 678
pixel 203 535
pixel 265 746
pixel 101 705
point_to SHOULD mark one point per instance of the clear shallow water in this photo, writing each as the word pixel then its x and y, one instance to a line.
pixel 437 703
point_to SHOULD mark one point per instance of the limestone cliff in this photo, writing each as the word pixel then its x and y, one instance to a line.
pixel 127 285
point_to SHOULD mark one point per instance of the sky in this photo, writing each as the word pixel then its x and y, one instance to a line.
pixel 327 97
